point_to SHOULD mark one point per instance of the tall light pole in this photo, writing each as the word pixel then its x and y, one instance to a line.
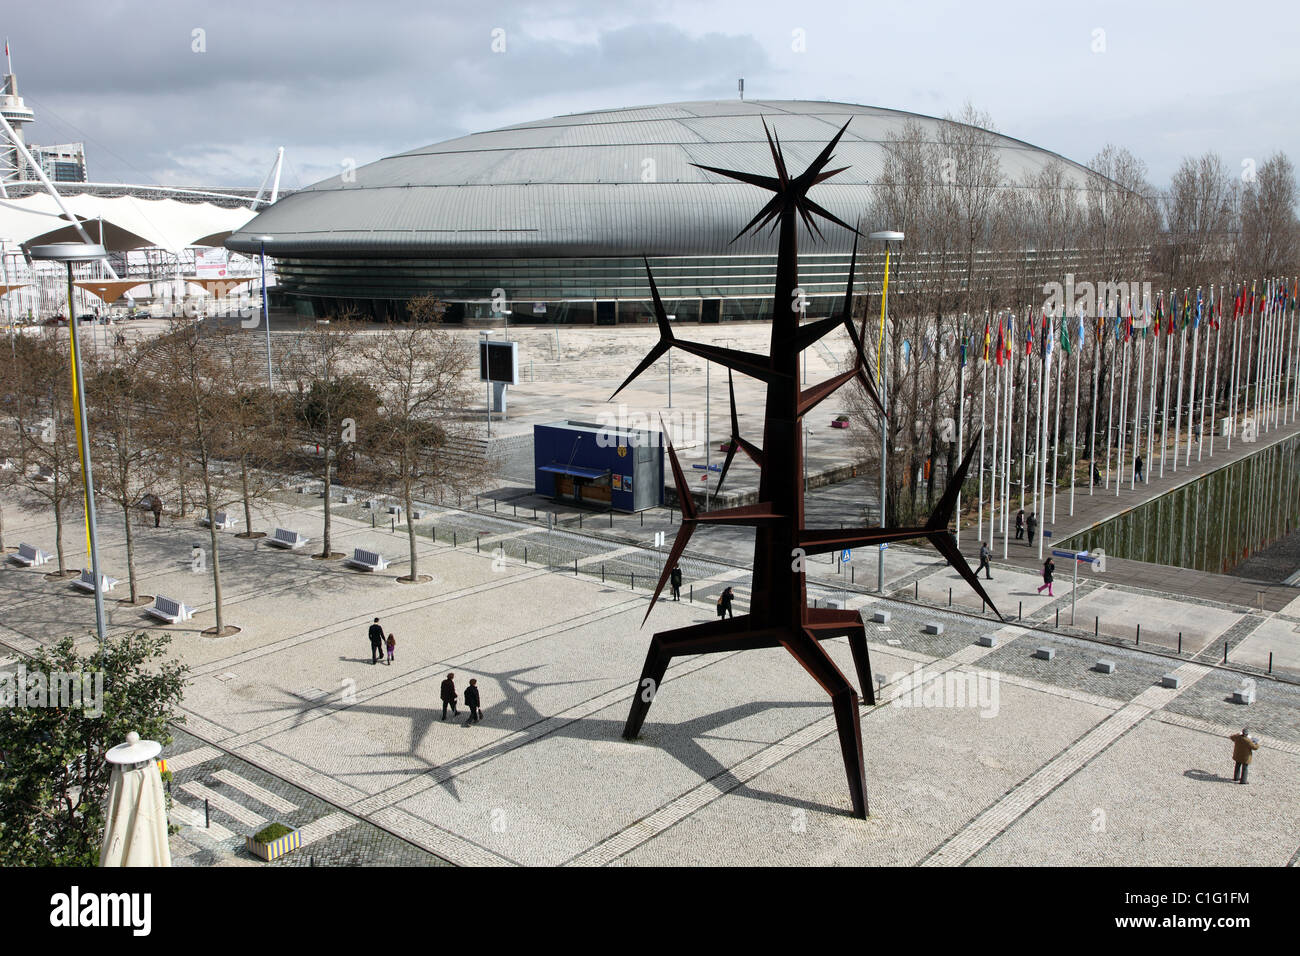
pixel 670 369
pixel 882 362
pixel 69 253
pixel 266 312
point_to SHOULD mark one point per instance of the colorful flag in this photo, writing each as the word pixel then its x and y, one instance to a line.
pixel 1083 331
pixel 998 356
pixel 1065 334
pixel 1196 322
pixel 988 331
pixel 1029 338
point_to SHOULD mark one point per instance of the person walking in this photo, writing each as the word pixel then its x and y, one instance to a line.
pixel 155 505
pixel 1033 526
pixel 1243 749
pixel 392 646
pixel 1020 524
pixel 376 642
pixel 1137 468
pixel 449 696
pixel 1049 569
pixel 471 701
pixel 1096 475
pixel 985 554
pixel 724 603
pixel 675 579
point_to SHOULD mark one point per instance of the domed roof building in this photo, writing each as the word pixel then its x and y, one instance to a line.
pixel 554 215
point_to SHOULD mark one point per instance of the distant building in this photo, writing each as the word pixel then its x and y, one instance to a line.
pixel 65 163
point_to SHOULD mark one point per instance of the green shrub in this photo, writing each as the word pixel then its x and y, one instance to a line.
pixel 272 832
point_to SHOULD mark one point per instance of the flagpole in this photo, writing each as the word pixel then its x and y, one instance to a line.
pixel 1092 428
pixel 1151 414
pixel 1121 344
pixel 1250 356
pixel 1232 374
pixel 1024 424
pixel 1178 402
pixel 1214 388
pixel 996 448
pixel 1056 431
pixel 1140 364
pixel 1169 367
pixel 1191 387
pixel 984 387
pixel 1074 419
pixel 1110 412
pixel 1038 432
pixel 1044 393
pixel 1295 379
pixel 961 407
pixel 1006 436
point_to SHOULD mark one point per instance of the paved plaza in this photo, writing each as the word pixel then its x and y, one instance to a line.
pixel 975 755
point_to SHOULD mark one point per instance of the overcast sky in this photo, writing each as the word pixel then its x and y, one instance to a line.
pixel 333 81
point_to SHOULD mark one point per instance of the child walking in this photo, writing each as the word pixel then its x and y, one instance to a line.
pixel 1049 567
pixel 392 646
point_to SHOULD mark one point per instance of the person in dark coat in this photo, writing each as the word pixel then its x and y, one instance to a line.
pixel 1020 524
pixel 1096 474
pixel 155 505
pixel 724 603
pixel 471 701
pixel 1049 569
pixel 377 643
pixel 985 554
pixel 1033 526
pixel 1137 468
pixel 1243 749
pixel 449 696
pixel 675 579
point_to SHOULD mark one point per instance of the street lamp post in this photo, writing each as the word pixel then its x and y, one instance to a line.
pixel 882 361
pixel 670 370
pixel 69 253
pixel 266 312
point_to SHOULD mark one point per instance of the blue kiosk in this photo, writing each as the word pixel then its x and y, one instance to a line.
pixel 601 466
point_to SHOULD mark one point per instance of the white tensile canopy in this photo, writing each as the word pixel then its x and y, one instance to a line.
pixel 127 221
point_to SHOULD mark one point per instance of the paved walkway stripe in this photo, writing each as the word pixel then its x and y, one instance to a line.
pixel 189 816
pixel 223 803
pixel 191 758
pixel 251 789
pixel 981 831
pixel 436 840
pixel 326 826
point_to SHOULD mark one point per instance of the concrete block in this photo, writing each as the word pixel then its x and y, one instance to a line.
pixel 1045 653
pixel 835 603
pixel 1171 680
pixel 1104 666
pixel 394 509
pixel 987 640
pixel 1244 695
pixel 348 499
pixel 933 627
pixel 880 617
pixel 417 514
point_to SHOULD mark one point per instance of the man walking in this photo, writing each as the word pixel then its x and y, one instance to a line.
pixel 1033 526
pixel 985 554
pixel 1020 524
pixel 377 646
pixel 675 579
pixel 1137 468
pixel 1243 749
pixel 471 701
pixel 449 696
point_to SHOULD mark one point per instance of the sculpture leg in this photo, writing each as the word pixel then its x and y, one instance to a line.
pixel 862 664
pixel 844 700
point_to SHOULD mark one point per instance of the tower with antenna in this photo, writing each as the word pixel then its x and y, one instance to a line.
pixel 18 115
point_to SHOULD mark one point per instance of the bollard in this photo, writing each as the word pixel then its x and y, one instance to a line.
pixel 575 566
pixel 1270 670
pixel 1225 652
pixel 207 814
pixel 631 582
pixel 611 519
pixel 1138 638
pixel 814 603
pixel 476 502
pixel 494 505
pixel 1058 617
pixel 692 593
pixel 670 515
pixel 392 524
pixel 579 521
pixel 525 554
pixel 516 507
pixel 453 539
pixel 372 519
pixel 950 597
pixel 1096 627
pixel 1020 611
pixel 1180 642
pixel 851 570
pixel 602 572
pixel 534 514
pixel 916 589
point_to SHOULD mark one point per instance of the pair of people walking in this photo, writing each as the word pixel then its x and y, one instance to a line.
pixel 675 579
pixel 724 603
pixel 450 697
pixel 1022 522
pixel 379 644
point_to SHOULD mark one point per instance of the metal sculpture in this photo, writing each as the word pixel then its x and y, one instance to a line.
pixel 779 613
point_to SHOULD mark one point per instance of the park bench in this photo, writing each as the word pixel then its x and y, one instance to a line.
pixel 284 538
pixel 165 609
pixel 225 521
pixel 367 560
pixel 28 556
pixel 87 581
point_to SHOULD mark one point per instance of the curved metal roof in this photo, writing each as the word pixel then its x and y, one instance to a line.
pixel 608 183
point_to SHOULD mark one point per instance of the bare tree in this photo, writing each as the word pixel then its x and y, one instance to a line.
pixel 1200 210
pixel 421 370
pixel 1270 233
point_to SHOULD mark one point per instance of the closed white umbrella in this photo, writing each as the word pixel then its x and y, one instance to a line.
pixel 135 833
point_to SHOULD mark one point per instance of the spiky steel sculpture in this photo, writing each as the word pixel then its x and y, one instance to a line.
pixel 779 613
